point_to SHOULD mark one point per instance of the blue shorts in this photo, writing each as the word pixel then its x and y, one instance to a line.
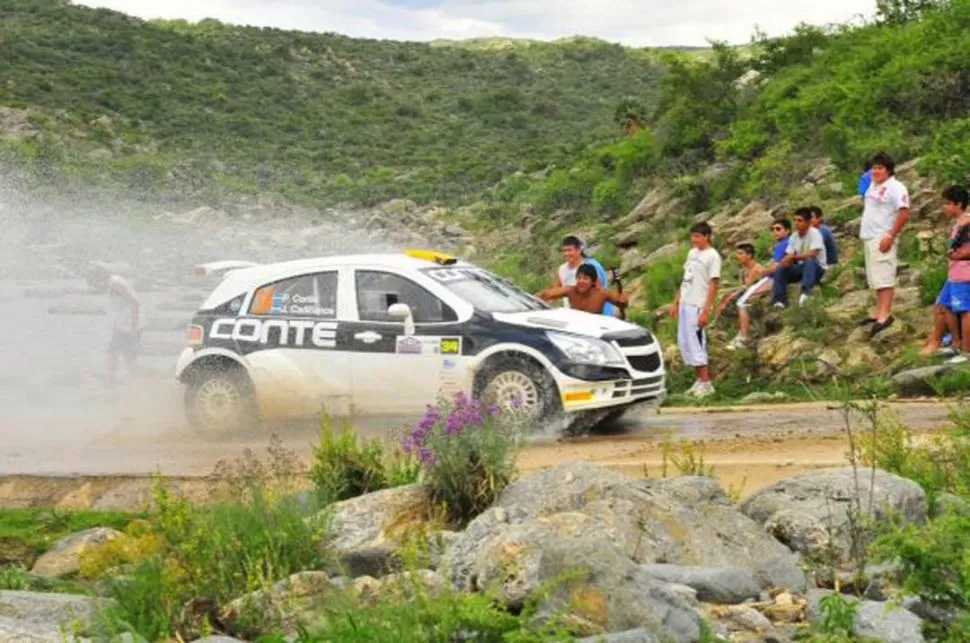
pixel 124 343
pixel 955 296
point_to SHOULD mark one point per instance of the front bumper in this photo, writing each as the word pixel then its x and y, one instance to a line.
pixel 583 395
pixel 643 379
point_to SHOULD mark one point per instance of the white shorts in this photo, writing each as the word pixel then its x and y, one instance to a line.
pixel 761 283
pixel 880 266
pixel 690 337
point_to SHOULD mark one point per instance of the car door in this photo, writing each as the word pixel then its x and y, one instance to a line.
pixel 295 361
pixel 394 374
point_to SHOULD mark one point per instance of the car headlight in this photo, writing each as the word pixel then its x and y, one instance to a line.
pixel 586 350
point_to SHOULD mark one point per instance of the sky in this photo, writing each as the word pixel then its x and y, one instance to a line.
pixel 640 23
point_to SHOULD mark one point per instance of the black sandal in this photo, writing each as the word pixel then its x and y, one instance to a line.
pixel 881 326
pixel 867 321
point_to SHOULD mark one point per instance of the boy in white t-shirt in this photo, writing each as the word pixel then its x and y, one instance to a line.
pixel 885 213
pixel 693 303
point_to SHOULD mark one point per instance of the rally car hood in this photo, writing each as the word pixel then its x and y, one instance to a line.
pixel 569 321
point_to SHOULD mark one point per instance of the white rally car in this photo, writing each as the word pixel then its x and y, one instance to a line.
pixel 387 334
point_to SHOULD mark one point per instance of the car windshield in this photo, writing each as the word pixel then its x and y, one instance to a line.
pixel 485 291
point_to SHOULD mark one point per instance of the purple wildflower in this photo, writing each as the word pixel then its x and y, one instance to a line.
pixel 455 423
pixel 425 455
pixel 494 410
pixel 517 403
pixel 407 444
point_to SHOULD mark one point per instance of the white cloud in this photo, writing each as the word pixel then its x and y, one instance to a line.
pixel 631 22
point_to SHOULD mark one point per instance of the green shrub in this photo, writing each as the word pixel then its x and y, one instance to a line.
pixel 206 556
pixel 343 466
pixel 467 452
pixel 609 197
pixel 662 280
pixel 412 613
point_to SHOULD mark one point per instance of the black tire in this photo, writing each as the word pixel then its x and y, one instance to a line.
pixel 220 401
pixel 503 375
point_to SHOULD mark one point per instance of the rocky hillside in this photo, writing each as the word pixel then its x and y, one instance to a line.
pixel 163 107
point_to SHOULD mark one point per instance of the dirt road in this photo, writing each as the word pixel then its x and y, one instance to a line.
pixel 748 447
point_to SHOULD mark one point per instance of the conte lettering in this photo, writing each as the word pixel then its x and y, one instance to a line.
pixel 301 328
pixel 324 336
pixel 247 330
pixel 222 329
pixel 321 334
pixel 278 324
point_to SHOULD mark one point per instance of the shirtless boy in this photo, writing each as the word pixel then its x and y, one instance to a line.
pixel 587 295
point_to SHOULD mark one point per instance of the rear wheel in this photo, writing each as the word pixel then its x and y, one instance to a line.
pixel 520 386
pixel 218 401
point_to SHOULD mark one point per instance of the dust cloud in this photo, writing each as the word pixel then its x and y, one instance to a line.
pixel 59 413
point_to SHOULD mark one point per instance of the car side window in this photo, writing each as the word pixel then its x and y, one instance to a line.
pixel 378 291
pixel 304 296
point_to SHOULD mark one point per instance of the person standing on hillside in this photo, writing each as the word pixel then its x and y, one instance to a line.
pixel 886 212
pixel 805 260
pixel 693 303
pixel 575 253
pixel 955 296
pixel 831 246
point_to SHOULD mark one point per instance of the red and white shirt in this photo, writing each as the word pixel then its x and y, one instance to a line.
pixel 883 203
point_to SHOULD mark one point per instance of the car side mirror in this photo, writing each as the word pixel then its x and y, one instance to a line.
pixel 403 312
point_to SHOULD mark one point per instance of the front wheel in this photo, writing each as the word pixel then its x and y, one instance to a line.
pixel 217 402
pixel 521 387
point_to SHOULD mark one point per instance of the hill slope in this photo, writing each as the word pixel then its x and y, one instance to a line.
pixel 320 115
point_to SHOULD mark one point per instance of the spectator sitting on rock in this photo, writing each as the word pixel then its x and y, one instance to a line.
pixel 831 246
pixel 780 230
pixel 749 275
pixel 805 260
pixel 955 296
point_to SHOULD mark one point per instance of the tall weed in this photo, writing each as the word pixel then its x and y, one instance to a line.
pixel 467 453
pixel 208 555
pixel 345 467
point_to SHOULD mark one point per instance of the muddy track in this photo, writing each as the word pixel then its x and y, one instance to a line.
pixel 748 448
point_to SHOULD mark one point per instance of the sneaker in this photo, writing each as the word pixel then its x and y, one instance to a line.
pixel 740 341
pixel 962 358
pixel 947 351
pixel 778 304
pixel 693 390
pixel 867 321
pixel 802 299
pixel 706 390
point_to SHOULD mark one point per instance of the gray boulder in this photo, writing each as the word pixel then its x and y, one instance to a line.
pixel 15 630
pixel 811 513
pixel 601 588
pixel 884 622
pixel 34 611
pixel 684 521
pixel 713 585
pixel 367 529
pixel 639 635
pixel 64 558
pixel 917 381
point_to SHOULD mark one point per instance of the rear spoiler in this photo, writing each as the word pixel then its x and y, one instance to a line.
pixel 215 267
